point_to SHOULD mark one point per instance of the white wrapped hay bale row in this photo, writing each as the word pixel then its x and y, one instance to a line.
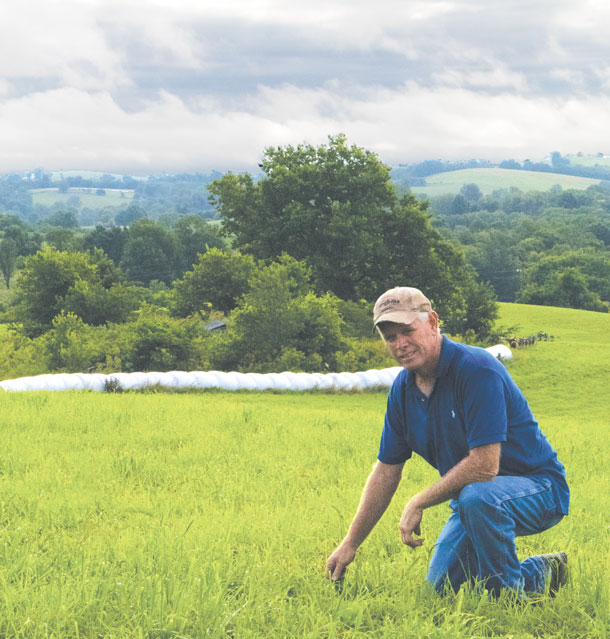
pixel 204 379
pixel 218 379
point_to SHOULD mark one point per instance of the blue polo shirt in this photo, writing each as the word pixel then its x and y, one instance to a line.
pixel 474 402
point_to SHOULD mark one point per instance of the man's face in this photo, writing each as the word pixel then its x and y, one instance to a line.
pixel 414 346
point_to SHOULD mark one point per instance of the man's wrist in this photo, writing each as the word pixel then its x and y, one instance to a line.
pixel 348 543
pixel 417 502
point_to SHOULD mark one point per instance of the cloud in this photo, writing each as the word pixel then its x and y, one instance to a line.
pixel 153 85
pixel 70 128
pixel 59 40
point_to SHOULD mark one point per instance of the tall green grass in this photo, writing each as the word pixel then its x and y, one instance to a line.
pixel 211 514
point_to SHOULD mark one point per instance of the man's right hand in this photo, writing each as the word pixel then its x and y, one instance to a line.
pixel 339 560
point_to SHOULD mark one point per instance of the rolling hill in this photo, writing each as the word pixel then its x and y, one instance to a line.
pixel 492 179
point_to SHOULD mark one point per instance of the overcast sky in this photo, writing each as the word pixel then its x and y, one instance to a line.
pixel 144 86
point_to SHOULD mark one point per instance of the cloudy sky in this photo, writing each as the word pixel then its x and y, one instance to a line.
pixel 144 86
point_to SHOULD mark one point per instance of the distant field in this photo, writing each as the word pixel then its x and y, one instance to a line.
pixel 87 197
pixel 211 514
pixel 57 176
pixel 489 180
pixel 589 160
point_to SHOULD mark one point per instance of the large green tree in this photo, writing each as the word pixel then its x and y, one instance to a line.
pixel 150 253
pixel 194 236
pixel 8 259
pixel 334 207
pixel 87 285
pixel 281 324
pixel 324 205
pixel 45 280
pixel 111 240
pixel 575 279
pixel 218 279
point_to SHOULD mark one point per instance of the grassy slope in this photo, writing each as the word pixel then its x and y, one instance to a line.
pixel 489 180
pixel 211 514
pixel 88 198
pixel 589 160
pixel 57 176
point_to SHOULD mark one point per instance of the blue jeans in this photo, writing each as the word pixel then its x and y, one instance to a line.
pixel 478 540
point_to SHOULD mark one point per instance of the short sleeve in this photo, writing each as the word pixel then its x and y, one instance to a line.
pixel 393 448
pixel 484 403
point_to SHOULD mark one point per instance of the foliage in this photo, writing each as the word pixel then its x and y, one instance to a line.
pixel 149 340
pixel 184 193
pixel 45 280
pixel 280 322
pixel 576 279
pixel 528 235
pixel 111 240
pixel 363 354
pixel 87 285
pixel 64 219
pixel 26 240
pixel 194 236
pixel 62 239
pixel 357 318
pixel 567 287
pixel 15 196
pixel 21 356
pixel 334 207
pixel 150 253
pixel 323 205
pixel 95 304
pixel 8 259
pixel 130 215
pixel 154 341
pixel 218 279
pixel 71 345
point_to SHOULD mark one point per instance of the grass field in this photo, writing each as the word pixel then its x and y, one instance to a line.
pixel 87 197
pixel 57 176
pixel 211 514
pixel 589 160
pixel 489 180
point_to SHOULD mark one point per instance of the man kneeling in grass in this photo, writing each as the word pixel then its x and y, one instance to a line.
pixel 458 408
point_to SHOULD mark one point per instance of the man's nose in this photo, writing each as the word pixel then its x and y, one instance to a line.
pixel 402 340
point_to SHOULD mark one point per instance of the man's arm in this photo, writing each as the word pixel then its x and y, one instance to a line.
pixel 482 464
pixel 376 496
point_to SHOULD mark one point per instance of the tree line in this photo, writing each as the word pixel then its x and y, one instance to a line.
pixel 184 194
pixel 305 250
pixel 549 248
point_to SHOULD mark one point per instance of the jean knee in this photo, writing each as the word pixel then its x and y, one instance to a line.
pixel 475 498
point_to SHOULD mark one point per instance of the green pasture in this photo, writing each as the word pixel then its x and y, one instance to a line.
pixel 492 179
pixel 58 176
pixel 87 197
pixel 210 514
pixel 589 160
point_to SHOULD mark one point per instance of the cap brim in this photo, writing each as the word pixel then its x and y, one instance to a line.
pixel 399 317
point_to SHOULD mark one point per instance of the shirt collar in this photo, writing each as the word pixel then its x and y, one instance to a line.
pixel 447 352
pixel 444 360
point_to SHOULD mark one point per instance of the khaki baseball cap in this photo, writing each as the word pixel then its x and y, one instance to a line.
pixel 400 305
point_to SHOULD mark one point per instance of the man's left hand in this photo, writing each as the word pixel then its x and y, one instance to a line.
pixel 410 524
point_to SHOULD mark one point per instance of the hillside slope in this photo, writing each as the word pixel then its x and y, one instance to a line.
pixel 571 370
pixel 491 179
